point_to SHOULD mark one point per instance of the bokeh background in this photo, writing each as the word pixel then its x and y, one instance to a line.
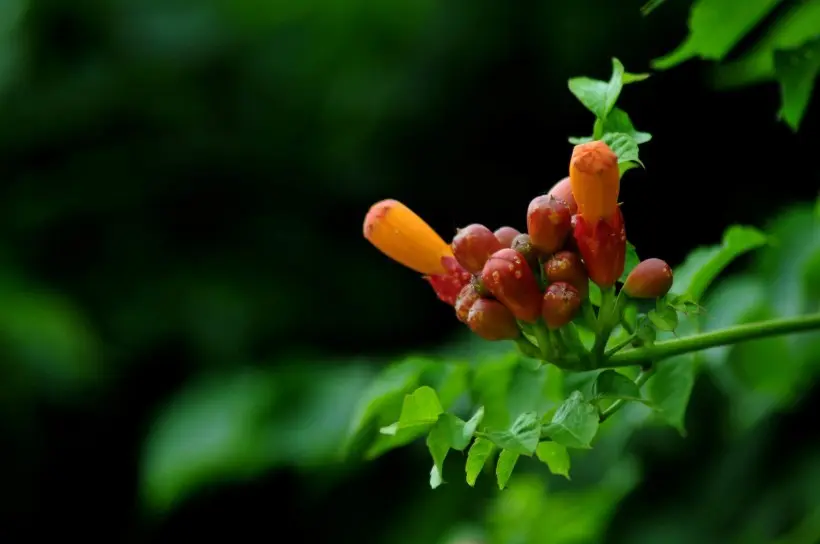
pixel 189 312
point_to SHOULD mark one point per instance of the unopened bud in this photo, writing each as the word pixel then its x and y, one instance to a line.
pixel 567 266
pixel 491 320
pixel 548 223
pixel 652 278
pixel 595 179
pixel 509 278
pixel 465 300
pixel 561 303
pixel 473 245
pixel 602 244
pixel 563 191
pixel 478 285
pixel 523 245
pixel 506 235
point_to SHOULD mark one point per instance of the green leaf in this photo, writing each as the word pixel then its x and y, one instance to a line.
pixel 646 331
pixel 522 437
pixel 382 401
pixel 505 466
pixel 624 146
pixel 449 432
pixel 670 389
pixel 715 27
pixel 796 70
pixel 704 264
pixel 480 451
pixel 491 386
pixel 630 262
pixel 613 385
pixel 555 456
pixel 634 78
pixel 594 294
pixel 574 424
pixel 794 27
pixel 597 96
pixel 419 411
pixel 617 121
pixel 664 319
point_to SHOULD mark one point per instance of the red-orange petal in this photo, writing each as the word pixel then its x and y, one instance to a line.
pixel 395 230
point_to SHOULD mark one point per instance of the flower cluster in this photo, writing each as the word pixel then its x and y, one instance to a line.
pixel 502 281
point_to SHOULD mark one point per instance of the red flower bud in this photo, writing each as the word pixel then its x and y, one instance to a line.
pixel 566 266
pixel 448 286
pixel 563 191
pixel 652 278
pixel 602 245
pixel 506 235
pixel 561 303
pixel 509 278
pixel 473 245
pixel 548 223
pixel 491 320
pixel 466 298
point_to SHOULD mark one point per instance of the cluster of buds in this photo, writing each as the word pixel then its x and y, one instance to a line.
pixel 500 281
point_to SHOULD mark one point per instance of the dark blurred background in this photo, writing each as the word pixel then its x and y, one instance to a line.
pixel 189 310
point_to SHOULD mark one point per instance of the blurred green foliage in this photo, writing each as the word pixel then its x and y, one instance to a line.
pixel 170 171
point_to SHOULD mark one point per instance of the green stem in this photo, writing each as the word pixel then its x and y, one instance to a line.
pixel 642 378
pixel 589 315
pixel 608 316
pixel 620 345
pixel 528 348
pixel 542 335
pixel 698 342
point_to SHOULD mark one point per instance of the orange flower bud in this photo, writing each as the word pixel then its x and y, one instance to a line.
pixel 561 303
pixel 602 245
pixel 563 191
pixel 595 179
pixel 473 245
pixel 491 320
pixel 466 298
pixel 509 278
pixel 566 266
pixel 548 223
pixel 652 278
pixel 404 237
pixel 506 235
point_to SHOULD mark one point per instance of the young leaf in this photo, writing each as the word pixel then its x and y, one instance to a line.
pixel 704 264
pixel 616 121
pixel 449 432
pixel 419 413
pixel 645 331
pixel 796 70
pixel 664 319
pixel 523 436
pixel 630 262
pixel 597 96
pixel 480 451
pixel 715 27
pixel 505 466
pixel 420 410
pixel 574 424
pixel 614 385
pixel 670 389
pixel 555 456
pixel 624 146
pixel 619 121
